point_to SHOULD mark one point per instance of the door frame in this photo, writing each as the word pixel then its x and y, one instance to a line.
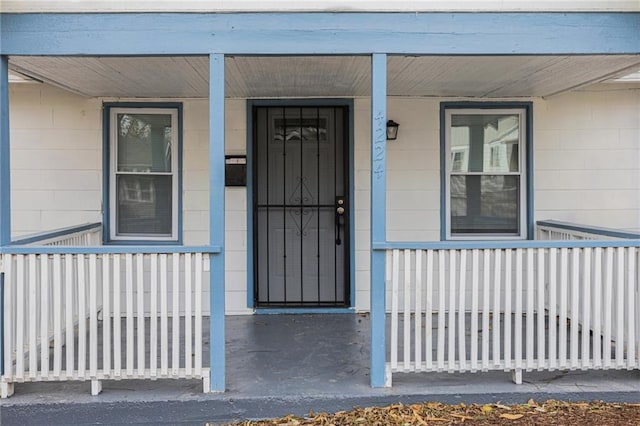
pixel 307 102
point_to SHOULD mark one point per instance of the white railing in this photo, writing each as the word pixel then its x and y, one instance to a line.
pixel 514 309
pixel 103 315
pixel 89 234
pixel 556 230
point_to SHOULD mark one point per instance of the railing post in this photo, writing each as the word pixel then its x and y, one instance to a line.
pixel 5 184
pixel 216 221
pixel 378 216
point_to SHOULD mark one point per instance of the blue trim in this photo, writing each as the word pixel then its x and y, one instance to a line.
pixel 607 232
pixel 351 182
pixel 55 234
pixel 216 221
pixel 511 244
pixel 106 169
pixel 378 216
pixel 109 249
pixel 528 112
pixel 460 33
pixel 289 311
pixel 5 155
pixel 250 247
pixel 1 323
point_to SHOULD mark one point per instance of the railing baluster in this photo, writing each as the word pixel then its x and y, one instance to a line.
pixel 631 307
pixel 198 317
pixel 441 308
pixel 117 330
pixel 394 308
pixel 44 315
pixel 175 324
pixel 530 297
pixel 20 316
pixel 153 316
pixel 562 320
pixel 57 315
pixel 417 315
pixel 475 277
pixel 93 316
pixel 188 315
pixel 164 327
pixel 69 326
pixel 508 317
pixel 33 317
pixel 428 338
pixel 486 305
pixel 620 307
pixel 497 277
pixel 575 306
pixel 141 328
pixel 462 350
pixel 106 314
pixel 586 308
pixel 82 324
pixel 540 314
pixel 553 294
pixel 451 338
pixel 608 305
pixel 518 314
pixel 597 308
pixel 129 309
pixel 406 292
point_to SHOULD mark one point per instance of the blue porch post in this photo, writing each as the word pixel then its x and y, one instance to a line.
pixel 378 215
pixel 5 185
pixel 216 221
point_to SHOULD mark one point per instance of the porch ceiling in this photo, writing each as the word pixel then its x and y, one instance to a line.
pixel 305 76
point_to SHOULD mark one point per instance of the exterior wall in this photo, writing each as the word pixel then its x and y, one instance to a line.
pixel 586 168
pixel 315 5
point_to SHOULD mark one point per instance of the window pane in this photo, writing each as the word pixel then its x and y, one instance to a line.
pixel 485 143
pixel 144 205
pixel 144 143
pixel 485 204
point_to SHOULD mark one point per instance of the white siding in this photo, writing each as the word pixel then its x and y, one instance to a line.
pixel 586 156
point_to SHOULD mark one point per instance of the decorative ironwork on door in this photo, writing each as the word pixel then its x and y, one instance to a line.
pixel 301 225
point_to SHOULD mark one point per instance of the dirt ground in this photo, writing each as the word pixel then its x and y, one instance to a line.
pixel 434 413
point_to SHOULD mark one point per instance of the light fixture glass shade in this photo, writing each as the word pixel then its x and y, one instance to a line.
pixel 392 130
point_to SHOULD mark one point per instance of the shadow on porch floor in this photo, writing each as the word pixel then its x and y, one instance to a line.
pixel 277 364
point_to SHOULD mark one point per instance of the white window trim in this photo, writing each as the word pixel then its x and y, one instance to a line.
pixel 113 153
pixel 522 167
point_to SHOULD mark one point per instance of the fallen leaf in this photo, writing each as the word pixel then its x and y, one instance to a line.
pixel 511 416
pixel 532 403
pixel 486 408
pixel 462 417
pixel 504 407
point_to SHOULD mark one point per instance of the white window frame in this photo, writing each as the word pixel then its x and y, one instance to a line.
pixel 175 174
pixel 522 172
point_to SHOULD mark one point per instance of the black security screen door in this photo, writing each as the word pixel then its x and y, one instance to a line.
pixel 301 217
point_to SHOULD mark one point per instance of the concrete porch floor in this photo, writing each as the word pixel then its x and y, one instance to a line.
pixel 281 364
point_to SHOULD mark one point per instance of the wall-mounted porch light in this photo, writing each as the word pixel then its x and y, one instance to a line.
pixel 392 130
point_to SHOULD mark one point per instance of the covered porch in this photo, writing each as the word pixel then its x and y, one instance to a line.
pixel 436 303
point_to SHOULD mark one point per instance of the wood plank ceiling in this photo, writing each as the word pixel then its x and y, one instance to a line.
pixel 331 76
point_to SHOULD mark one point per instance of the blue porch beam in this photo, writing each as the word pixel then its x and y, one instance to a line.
pixel 489 33
pixel 216 221
pixel 378 215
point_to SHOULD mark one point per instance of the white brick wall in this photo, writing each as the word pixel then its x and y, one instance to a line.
pixel 586 168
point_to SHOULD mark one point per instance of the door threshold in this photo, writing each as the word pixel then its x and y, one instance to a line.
pixel 272 311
